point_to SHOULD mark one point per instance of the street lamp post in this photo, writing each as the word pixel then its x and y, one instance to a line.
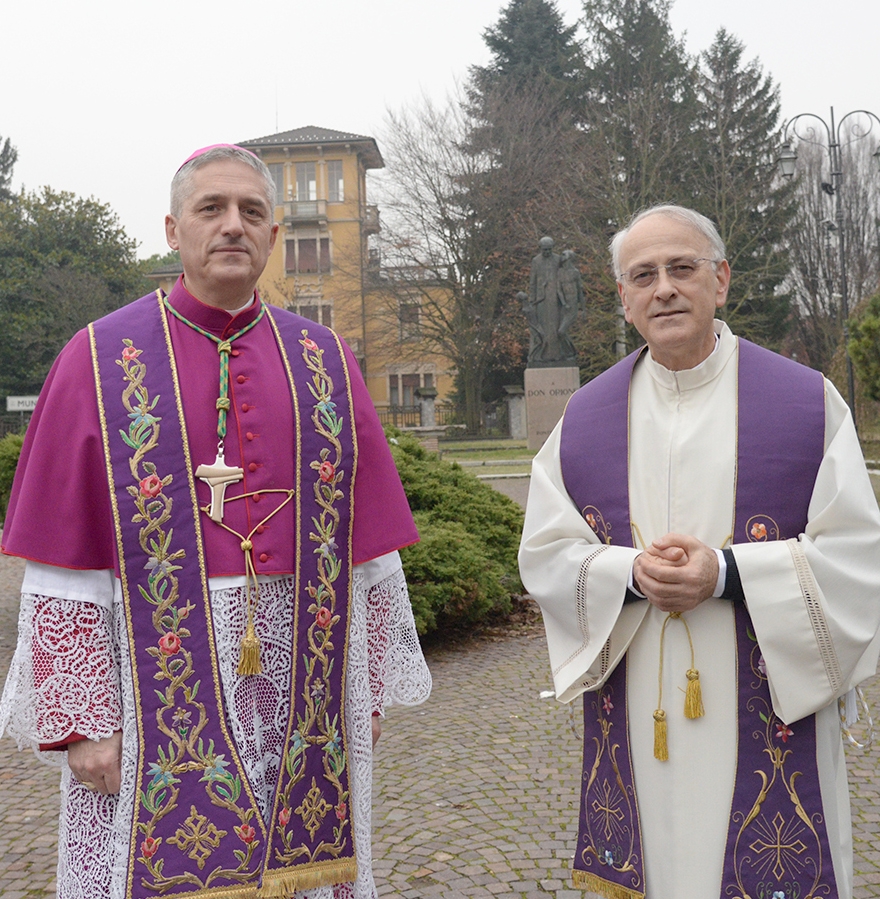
pixel 787 159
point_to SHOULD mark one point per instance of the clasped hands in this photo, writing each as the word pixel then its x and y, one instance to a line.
pixel 676 573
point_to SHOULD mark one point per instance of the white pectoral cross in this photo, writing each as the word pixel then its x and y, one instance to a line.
pixel 218 476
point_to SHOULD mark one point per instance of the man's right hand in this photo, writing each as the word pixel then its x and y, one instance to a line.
pixel 676 573
pixel 97 764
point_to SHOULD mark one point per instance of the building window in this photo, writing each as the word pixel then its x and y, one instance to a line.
pixel 306 182
pixel 322 313
pixel 276 170
pixel 409 321
pixel 402 388
pixel 335 184
pixel 307 256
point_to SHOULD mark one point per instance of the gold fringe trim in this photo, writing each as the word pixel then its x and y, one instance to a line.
pixel 661 747
pixel 586 881
pixel 308 877
pixel 693 697
pixel 248 891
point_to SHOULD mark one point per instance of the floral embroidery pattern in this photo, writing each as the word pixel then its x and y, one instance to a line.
pixel 608 805
pixel 761 528
pixel 316 730
pixel 177 689
pixel 596 520
pixel 777 852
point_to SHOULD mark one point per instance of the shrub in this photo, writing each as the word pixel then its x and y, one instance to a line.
pixel 10 450
pixel 465 566
pixel 864 347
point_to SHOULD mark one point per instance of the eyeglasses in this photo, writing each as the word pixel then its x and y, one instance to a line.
pixel 680 270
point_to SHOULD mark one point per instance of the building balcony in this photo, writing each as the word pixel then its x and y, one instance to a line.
pixel 305 212
pixel 371 220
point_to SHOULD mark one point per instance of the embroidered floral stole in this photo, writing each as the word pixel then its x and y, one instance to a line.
pixel 197 828
pixel 777 843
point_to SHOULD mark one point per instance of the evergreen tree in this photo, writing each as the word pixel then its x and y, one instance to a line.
pixel 640 109
pixel 530 46
pixel 735 183
pixel 8 158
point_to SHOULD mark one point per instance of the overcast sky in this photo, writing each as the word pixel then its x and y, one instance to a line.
pixel 106 99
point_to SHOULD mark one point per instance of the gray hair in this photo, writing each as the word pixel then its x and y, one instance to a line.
pixel 181 183
pixel 680 214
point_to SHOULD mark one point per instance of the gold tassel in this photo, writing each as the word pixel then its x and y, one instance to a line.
pixel 249 659
pixel 661 748
pixel 693 698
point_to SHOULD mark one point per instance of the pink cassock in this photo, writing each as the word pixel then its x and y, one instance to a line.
pixel 60 514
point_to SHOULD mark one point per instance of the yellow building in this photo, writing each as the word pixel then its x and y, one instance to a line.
pixel 322 266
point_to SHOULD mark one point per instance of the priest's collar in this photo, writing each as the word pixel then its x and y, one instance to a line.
pixel 213 319
pixel 706 371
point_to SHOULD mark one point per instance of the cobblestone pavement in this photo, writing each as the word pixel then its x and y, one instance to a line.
pixel 474 796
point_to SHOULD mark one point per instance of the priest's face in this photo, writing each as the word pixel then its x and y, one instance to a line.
pixel 225 233
pixel 675 312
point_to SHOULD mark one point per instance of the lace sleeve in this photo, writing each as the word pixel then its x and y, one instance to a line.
pixel 398 673
pixel 64 677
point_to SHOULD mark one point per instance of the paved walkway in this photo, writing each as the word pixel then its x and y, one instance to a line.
pixel 475 792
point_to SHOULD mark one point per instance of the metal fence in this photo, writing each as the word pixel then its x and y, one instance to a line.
pixel 493 419
pixel 13 422
pixel 400 416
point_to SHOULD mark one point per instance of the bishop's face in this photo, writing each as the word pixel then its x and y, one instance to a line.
pixel 225 233
pixel 675 317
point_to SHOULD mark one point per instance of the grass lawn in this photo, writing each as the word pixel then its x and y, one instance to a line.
pixel 484 450
pixel 483 456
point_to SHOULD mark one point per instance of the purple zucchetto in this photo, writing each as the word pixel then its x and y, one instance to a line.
pixel 204 150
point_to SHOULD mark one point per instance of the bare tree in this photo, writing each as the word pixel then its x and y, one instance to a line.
pixel 813 239
pixel 463 208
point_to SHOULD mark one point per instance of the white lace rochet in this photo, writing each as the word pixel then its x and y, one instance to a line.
pixel 78 655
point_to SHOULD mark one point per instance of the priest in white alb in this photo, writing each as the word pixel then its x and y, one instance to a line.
pixel 703 540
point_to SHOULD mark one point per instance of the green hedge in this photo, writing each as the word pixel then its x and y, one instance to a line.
pixel 464 568
pixel 10 450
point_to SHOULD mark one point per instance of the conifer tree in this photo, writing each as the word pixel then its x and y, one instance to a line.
pixel 736 184
pixel 531 46
pixel 640 107
pixel 8 158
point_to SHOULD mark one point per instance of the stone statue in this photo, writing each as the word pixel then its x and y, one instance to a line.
pixel 553 302
pixel 571 290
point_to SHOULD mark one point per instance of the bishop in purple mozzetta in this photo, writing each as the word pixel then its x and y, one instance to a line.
pixel 704 542
pixel 213 602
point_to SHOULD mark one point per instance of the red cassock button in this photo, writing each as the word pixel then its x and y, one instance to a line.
pixel 261 528
pixel 244 407
pixel 249 435
pixel 253 466
pixel 264 557
pixel 241 379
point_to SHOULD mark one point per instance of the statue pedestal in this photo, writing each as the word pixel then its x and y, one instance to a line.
pixel 547 392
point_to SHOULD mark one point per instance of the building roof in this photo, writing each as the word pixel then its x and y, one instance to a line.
pixel 312 135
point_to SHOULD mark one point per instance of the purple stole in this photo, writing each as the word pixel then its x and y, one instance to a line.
pixel 197 828
pixel 777 844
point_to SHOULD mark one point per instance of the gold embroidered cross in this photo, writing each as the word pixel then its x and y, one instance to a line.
pixel 610 810
pixel 218 477
pixel 776 846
